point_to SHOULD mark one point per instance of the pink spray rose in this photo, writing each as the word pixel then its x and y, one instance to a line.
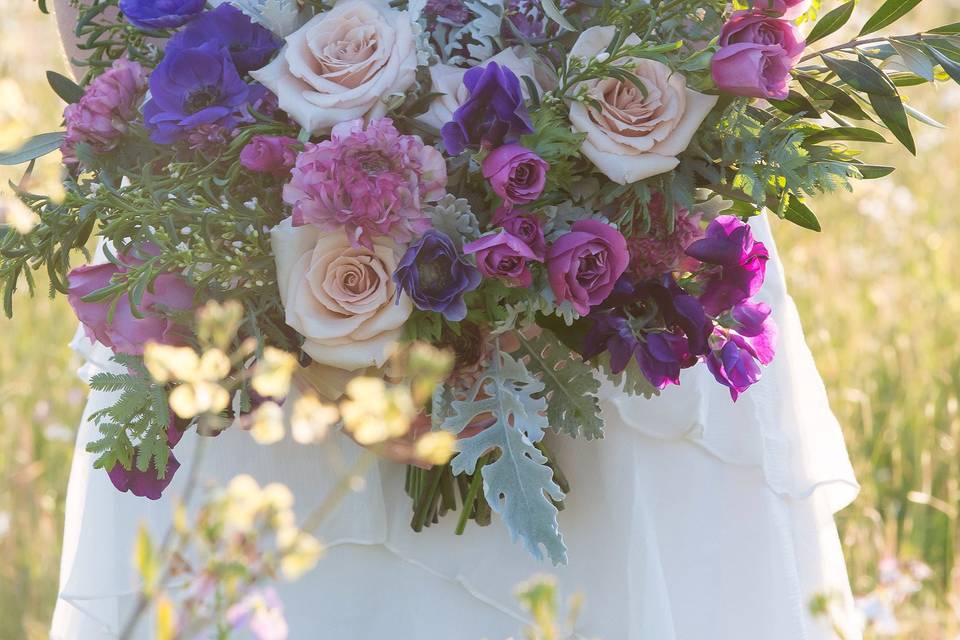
pixel 124 332
pixel 757 53
pixel 503 255
pixel 786 9
pixel 516 174
pixel 269 154
pixel 370 182
pixel 584 264
pixel 106 109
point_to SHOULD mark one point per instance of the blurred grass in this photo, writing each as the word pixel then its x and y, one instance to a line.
pixel 879 293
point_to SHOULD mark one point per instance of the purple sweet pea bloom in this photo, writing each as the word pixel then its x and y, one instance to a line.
pixel 160 14
pixel 494 113
pixel 249 44
pixel 680 311
pixel 734 365
pixel 146 484
pixel 610 332
pixel 740 260
pixel 757 53
pixel 661 356
pixel 584 264
pixel 124 332
pixel 503 255
pixel 515 173
pixel 435 276
pixel 269 154
pixel 194 87
pixel 756 327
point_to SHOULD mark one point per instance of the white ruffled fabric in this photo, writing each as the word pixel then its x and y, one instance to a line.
pixel 693 519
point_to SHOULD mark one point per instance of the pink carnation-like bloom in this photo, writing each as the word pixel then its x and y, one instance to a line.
pixel 105 111
pixel 370 182
pixel 659 250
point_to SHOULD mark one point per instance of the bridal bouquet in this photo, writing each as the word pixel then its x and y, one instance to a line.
pixel 556 194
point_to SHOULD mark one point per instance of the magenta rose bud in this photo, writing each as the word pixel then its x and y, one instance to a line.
pixel 516 174
pixel 503 255
pixel 525 226
pixel 786 9
pixel 757 53
pixel 583 265
pixel 269 154
pixel 124 332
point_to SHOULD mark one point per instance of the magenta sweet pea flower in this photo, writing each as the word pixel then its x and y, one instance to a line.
pixel 124 332
pixel 757 53
pixel 146 484
pixel 786 9
pixel 755 324
pixel 269 154
pixel 515 173
pixel 739 263
pixel 734 365
pixel 503 255
pixel 583 265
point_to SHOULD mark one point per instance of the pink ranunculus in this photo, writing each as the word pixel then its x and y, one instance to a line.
pixel 269 154
pixel 369 182
pixel 515 173
pixel 124 332
pixel 503 255
pixel 103 115
pixel 525 226
pixel 757 53
pixel 786 9
pixel 584 264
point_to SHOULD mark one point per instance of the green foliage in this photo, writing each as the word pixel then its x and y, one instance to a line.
pixel 519 484
pixel 570 386
pixel 139 417
pixel 555 142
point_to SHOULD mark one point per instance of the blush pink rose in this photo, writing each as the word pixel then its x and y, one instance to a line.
pixel 341 64
pixel 584 264
pixel 340 298
pixel 515 173
pixel 503 255
pixel 633 134
pixel 757 54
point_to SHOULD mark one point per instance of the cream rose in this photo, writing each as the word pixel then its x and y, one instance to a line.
pixel 341 299
pixel 448 80
pixel 340 64
pixel 632 136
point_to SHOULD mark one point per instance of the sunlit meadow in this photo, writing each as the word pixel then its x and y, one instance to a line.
pixel 879 292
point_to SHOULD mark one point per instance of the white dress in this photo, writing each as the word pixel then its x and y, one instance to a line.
pixel 694 519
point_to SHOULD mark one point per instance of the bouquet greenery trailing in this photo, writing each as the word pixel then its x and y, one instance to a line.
pixel 551 196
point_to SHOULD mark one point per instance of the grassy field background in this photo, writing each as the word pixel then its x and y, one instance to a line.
pixel 879 293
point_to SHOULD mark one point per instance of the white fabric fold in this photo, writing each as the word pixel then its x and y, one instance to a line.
pixel 694 518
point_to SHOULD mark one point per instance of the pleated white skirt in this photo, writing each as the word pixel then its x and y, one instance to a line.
pixel 693 519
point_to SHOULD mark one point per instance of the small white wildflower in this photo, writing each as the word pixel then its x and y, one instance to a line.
pixel 602 57
pixel 186 231
pixel 251 203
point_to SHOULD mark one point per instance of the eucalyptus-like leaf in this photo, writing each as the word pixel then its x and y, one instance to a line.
pixel 887 14
pixel 36 147
pixel 831 22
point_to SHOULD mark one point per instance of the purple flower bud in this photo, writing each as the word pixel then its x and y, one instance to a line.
pixel 584 264
pixel 269 154
pixel 146 484
pixel 516 174
pixel 503 255
pixel 734 366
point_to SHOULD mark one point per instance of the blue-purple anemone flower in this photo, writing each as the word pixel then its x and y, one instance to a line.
pixel 249 44
pixel 191 88
pixel 160 14
pixel 435 276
